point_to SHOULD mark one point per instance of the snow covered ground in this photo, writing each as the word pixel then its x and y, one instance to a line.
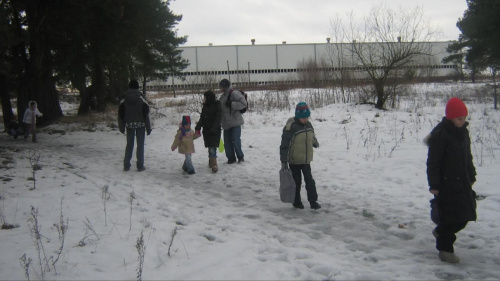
pixel 370 176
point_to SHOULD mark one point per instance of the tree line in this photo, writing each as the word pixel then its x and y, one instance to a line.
pixel 95 46
pixel 478 46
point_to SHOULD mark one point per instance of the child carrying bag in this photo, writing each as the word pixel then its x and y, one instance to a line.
pixel 287 186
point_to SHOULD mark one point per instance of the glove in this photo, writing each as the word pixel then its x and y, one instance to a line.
pixel 315 145
pixel 148 132
pixel 284 165
pixel 434 190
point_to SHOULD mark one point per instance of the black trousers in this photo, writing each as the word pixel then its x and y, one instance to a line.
pixel 446 235
pixel 297 171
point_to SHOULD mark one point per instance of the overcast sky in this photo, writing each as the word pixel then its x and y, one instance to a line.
pixel 236 22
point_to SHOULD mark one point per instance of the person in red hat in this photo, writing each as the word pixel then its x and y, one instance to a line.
pixel 451 174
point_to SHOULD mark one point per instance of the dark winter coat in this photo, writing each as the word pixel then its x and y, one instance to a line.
pixel 297 142
pixel 133 112
pixel 210 119
pixel 14 129
pixel 451 171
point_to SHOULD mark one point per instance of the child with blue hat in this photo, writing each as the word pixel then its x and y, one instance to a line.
pixel 296 152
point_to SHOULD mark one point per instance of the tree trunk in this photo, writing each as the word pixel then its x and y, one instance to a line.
pixel 118 82
pixel 37 83
pixel 48 100
pixel 494 89
pixel 78 78
pixel 144 85
pixel 5 100
pixel 379 88
pixel 29 83
pixel 86 102
pixel 94 96
pixel 100 89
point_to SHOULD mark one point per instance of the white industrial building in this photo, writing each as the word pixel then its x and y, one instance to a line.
pixel 281 63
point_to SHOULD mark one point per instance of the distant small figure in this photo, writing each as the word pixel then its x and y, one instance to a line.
pixel 14 128
pixel 210 122
pixel 133 115
pixel 29 120
pixel 184 141
pixel 297 143
pixel 451 174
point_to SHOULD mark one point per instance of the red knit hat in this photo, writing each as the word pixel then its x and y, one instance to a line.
pixel 455 108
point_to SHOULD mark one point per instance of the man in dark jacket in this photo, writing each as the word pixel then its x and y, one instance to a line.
pixel 133 116
pixel 451 174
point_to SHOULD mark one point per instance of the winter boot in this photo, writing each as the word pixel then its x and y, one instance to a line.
pixel 448 257
pixel 213 165
pixel 315 205
pixel 298 205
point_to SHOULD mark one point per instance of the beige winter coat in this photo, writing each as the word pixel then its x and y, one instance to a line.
pixel 185 144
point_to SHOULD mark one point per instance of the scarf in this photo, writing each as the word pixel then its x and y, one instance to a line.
pixel 184 131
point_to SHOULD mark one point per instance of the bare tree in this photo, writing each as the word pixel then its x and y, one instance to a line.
pixel 339 58
pixel 308 72
pixel 387 40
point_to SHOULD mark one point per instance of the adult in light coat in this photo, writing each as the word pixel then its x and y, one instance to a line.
pixel 232 102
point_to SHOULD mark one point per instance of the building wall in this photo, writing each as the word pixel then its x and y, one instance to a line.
pixel 262 64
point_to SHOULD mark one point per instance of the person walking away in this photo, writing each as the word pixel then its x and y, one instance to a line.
pixel 184 141
pixel 133 119
pixel 29 120
pixel 232 120
pixel 296 152
pixel 451 174
pixel 210 119
pixel 14 128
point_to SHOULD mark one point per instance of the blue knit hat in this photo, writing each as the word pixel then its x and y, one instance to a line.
pixel 302 110
pixel 186 120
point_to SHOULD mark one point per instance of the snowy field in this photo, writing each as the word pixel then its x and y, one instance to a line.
pixel 371 179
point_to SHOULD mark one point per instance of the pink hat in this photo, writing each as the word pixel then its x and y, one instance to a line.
pixel 455 108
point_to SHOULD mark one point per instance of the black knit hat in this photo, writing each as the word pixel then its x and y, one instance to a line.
pixel 133 84
pixel 210 96
pixel 224 83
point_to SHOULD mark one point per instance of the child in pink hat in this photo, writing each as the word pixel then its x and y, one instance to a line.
pixel 184 142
